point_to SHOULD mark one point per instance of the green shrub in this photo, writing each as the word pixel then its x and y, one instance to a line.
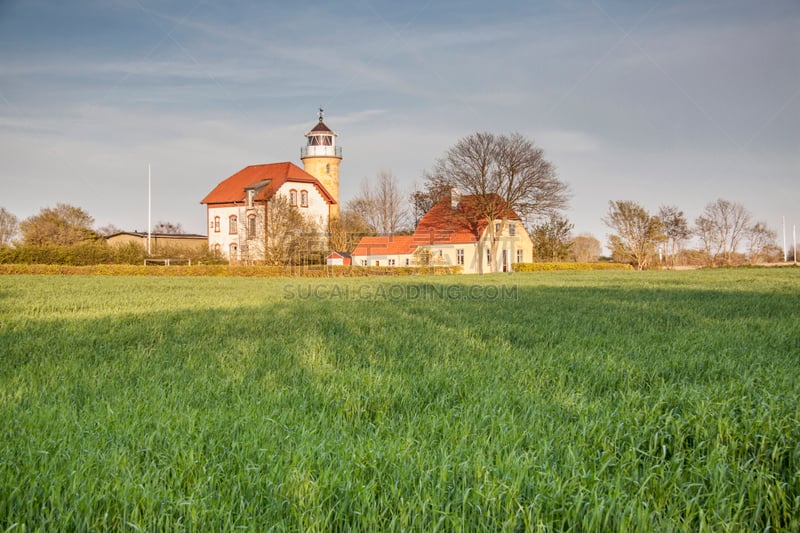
pixel 542 267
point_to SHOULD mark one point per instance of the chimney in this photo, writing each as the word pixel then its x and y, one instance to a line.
pixel 455 198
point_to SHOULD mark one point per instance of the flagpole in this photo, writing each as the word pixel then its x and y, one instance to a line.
pixel 149 225
pixel 785 253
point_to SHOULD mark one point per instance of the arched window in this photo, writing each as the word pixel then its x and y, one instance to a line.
pixel 233 249
pixel 216 224
pixel 293 197
pixel 217 249
pixel 233 224
pixel 304 198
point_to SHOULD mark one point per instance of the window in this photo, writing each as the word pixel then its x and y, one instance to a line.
pixel 293 197
pixel 233 224
pixel 489 256
pixel 408 261
pixel 520 256
pixel 377 263
pixel 303 198
pixel 460 256
pixel 251 194
pixel 497 227
pixel 217 249
pixel 232 250
pixel 512 229
pixel 363 262
pixel 391 262
pixel 251 227
pixel 216 224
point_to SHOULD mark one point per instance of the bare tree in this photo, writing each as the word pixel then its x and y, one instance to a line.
pixel 503 174
pixel 761 241
pixel 63 224
pixel 676 229
pixel 289 233
pixel 8 227
pixel 637 233
pixel 721 228
pixel 585 248
pixel 422 201
pixel 170 228
pixel 346 230
pixel 382 206
pixel 391 203
pixel 108 229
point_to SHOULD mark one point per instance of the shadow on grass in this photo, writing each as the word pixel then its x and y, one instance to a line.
pixel 318 406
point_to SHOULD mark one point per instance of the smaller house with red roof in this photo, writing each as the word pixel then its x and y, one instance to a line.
pixel 237 207
pixel 338 259
pixel 453 233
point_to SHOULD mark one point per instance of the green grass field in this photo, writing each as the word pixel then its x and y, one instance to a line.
pixel 580 401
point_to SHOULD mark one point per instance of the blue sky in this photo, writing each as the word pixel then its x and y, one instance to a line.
pixel 664 102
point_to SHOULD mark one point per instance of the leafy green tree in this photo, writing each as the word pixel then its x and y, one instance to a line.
pixel 638 233
pixel 676 230
pixel 63 224
pixel 551 239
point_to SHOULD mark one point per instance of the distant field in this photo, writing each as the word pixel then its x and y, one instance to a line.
pixel 583 401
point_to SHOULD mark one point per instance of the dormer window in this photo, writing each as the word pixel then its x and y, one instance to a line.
pixel 251 195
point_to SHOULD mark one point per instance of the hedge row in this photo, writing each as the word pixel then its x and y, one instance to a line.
pixel 259 271
pixel 542 267
pixel 85 253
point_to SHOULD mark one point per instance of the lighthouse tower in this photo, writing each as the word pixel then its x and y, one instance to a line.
pixel 321 158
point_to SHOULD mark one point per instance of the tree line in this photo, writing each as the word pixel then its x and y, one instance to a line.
pixel 724 230
pixel 506 174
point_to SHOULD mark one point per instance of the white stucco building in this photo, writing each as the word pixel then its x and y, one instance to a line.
pixel 452 234
pixel 237 207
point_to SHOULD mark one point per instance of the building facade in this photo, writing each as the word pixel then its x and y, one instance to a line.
pixel 452 234
pixel 237 209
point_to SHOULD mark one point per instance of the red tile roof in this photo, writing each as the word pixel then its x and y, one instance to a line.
pixel 274 175
pixel 440 225
pixel 386 245
pixel 444 225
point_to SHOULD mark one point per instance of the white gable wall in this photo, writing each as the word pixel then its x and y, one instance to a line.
pixel 236 242
pixel 317 210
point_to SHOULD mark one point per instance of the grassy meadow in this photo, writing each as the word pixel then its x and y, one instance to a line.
pixel 556 401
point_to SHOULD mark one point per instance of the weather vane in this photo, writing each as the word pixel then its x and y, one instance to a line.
pixel 321 111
